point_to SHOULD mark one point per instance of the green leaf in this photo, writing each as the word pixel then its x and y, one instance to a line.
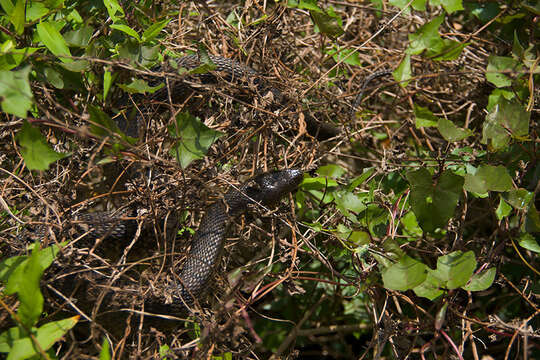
pixel 496 66
pixel 15 93
pixel 24 348
pixel 105 353
pixel 331 170
pixel 410 225
pixel 449 6
pixel 426 37
pixel 127 30
pixel 30 297
pixel 37 154
pixel 430 288
pixel 518 198
pixel 327 24
pixel 193 139
pixel 455 269
pixel 403 73
pixel 481 281
pixel 527 241
pixel 446 50
pixel 424 117
pixel 53 40
pixel 154 30
pixel 347 201
pixel 80 37
pixel 406 274
pixel 17 17
pixel 451 132
pixel 114 9
pixel 507 119
pixel 434 204
pixel 503 210
pixel 139 86
pixel 488 178
pixel 107 82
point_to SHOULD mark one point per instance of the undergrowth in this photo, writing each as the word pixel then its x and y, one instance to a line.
pixel 415 237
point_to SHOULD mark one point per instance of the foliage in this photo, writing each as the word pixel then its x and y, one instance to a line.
pixel 423 218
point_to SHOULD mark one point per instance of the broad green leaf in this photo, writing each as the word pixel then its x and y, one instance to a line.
pixel 497 65
pixel 366 174
pixel 37 154
pixel 80 37
pixel 46 336
pixel 30 297
pixel 403 72
pixel 527 241
pixel 508 119
pixel 446 50
pixel 410 225
pixel 36 10
pixel 12 57
pixel 15 93
pixel 481 281
pixel 419 5
pixel 430 288
pixel 54 41
pixel 455 269
pixel 8 266
pixel 424 117
pixel 348 56
pixel 347 201
pixel 138 54
pixel 426 37
pixel 518 198
pixel 488 178
pixel 331 170
pixel 114 9
pixel 17 17
pixel 193 139
pixel 434 203
pixel 327 24
pixel 406 274
pixel 139 86
pixel 484 11
pixel 532 220
pixel 449 6
pixel 451 132
pixel 54 77
pixel 127 30
pixel 154 30
pixel 503 210
pixel 318 183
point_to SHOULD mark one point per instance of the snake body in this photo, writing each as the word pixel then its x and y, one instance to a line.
pixel 265 189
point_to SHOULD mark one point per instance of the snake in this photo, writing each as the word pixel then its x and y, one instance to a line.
pixel 208 241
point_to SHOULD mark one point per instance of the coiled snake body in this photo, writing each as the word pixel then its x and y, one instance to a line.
pixel 208 241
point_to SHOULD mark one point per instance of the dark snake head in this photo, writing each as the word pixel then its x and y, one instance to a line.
pixel 269 187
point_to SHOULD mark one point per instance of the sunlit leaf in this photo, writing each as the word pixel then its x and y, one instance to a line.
pixel 451 132
pixel 481 281
pixel 54 41
pixel 37 154
pixel 488 178
pixel 406 274
pixel 193 139
pixel 15 93
pixel 455 269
